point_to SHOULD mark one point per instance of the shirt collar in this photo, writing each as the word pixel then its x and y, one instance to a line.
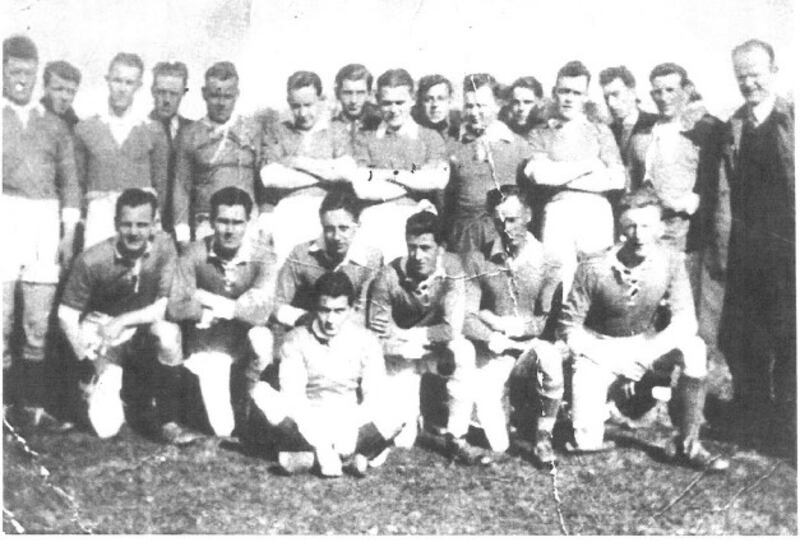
pixel 496 131
pixel 212 256
pixel 761 111
pixel 556 122
pixel 354 254
pixel 497 251
pixel 23 112
pixel 631 119
pixel 438 272
pixel 410 130
pixel 119 257
pixel 322 124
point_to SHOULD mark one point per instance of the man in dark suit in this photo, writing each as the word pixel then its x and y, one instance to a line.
pixel 169 87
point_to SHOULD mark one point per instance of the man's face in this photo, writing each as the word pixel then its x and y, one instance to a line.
pixel 19 78
pixel 570 94
pixel 220 97
pixel 304 104
pixel 229 225
pixel 168 91
pixel 338 230
pixel 423 251
pixel 353 95
pixel 755 75
pixel 60 93
pixel 123 82
pixel 332 312
pixel 511 219
pixel 395 104
pixel 480 108
pixel 135 227
pixel 669 96
pixel 642 229
pixel 522 102
pixel 620 99
pixel 436 103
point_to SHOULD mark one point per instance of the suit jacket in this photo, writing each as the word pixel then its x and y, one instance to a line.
pixel 644 123
pixel 167 146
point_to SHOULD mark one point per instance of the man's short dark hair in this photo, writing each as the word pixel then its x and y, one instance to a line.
pixel 751 44
pixel 496 196
pixel 136 197
pixel 397 77
pixel 335 284
pixel 617 72
pixel 426 82
pixel 127 59
pixel 474 81
pixel 529 82
pixel 175 69
pixel 302 79
pixel 645 196
pixel 223 71
pixel 574 68
pixel 341 198
pixel 669 68
pixel 422 223
pixel 62 69
pixel 353 72
pixel 21 47
pixel 230 196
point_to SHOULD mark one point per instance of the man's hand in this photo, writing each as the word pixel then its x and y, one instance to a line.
pixel 687 203
pixel 380 325
pixel 111 331
pixel 512 326
pixel 412 350
pixel 499 343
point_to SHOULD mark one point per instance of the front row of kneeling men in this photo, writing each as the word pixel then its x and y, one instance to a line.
pixel 354 336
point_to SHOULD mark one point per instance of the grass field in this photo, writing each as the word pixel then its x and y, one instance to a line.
pixel 130 484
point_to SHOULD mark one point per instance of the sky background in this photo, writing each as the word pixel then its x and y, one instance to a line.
pixel 269 39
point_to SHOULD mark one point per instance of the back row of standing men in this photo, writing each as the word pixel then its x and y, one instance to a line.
pixel 400 158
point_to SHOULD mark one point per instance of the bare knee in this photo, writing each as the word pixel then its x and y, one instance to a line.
pixel 168 337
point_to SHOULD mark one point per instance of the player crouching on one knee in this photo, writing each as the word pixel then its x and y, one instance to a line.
pixel 222 292
pixel 325 365
pixel 112 313
pixel 416 305
pixel 610 323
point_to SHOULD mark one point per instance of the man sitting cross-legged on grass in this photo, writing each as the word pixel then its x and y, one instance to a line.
pixel 112 313
pixel 416 304
pixel 509 298
pixel 223 292
pixel 611 325
pixel 325 366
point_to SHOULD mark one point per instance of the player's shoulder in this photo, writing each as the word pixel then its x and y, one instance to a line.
pixel 594 262
pixel 452 266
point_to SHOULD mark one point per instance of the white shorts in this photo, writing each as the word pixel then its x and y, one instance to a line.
pixel 31 234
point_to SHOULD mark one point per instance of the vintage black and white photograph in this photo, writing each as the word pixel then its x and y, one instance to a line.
pixel 399 267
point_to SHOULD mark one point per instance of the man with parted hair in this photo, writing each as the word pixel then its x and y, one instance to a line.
pixel 303 158
pixel 402 165
pixel 40 196
pixel 353 90
pixel 433 106
pixel 223 294
pixel 112 314
pixel 512 291
pixel 416 305
pixel 680 157
pixel 169 87
pixel 61 82
pixel 577 161
pixel 221 149
pixel 523 110
pixel 332 404
pixel 756 209
pixel 486 155
pixel 629 313
pixel 116 149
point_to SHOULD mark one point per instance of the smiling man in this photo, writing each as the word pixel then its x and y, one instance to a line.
pixel 225 295
pixel 577 161
pixel 112 314
pixel 613 323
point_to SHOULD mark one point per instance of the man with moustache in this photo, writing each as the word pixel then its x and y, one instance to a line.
pixel 353 90
pixel 433 108
pixel 304 157
pixel 223 296
pixel 577 161
pixel 40 200
pixel 168 90
pixel 758 327
pixel 116 149
pixel 221 149
pixel 61 82
pixel 112 313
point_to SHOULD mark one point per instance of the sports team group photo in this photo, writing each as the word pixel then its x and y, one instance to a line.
pixel 443 268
